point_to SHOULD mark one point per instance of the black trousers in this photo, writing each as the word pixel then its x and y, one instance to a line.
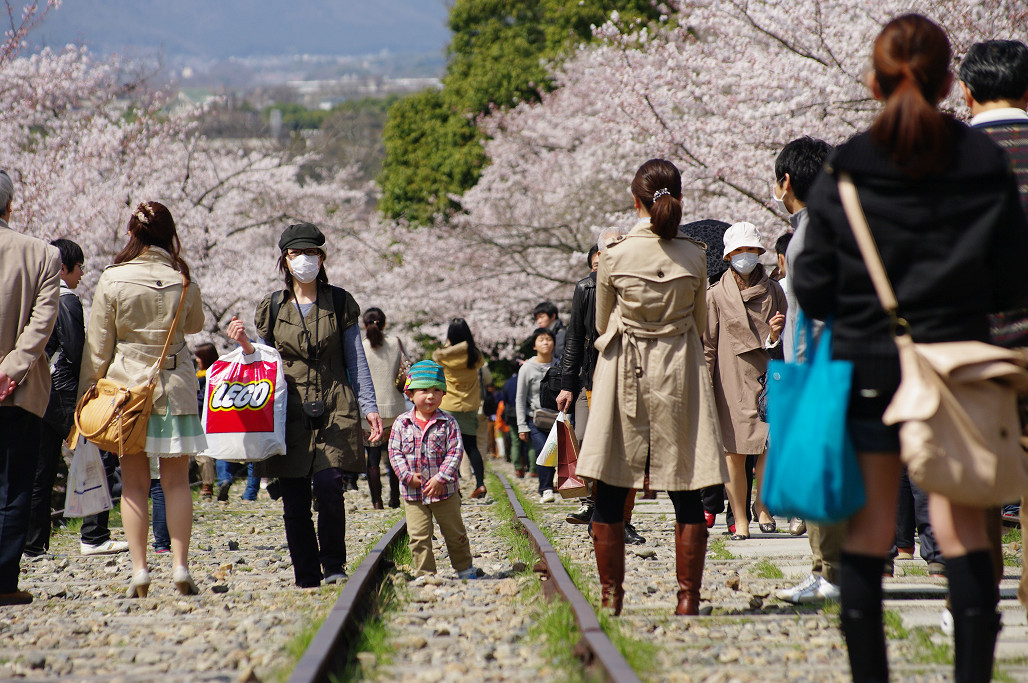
pixel 311 552
pixel 610 505
pixel 19 450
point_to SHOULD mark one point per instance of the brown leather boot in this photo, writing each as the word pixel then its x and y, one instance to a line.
pixel 375 487
pixel 207 491
pixel 609 544
pixel 690 550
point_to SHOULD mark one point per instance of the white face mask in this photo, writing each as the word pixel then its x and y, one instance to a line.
pixel 745 262
pixel 305 267
pixel 779 201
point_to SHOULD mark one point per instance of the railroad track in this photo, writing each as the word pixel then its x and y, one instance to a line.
pixel 332 651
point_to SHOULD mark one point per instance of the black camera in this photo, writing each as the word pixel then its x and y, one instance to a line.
pixel 313 415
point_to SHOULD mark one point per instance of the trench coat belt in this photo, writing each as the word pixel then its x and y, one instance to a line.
pixel 631 332
pixel 147 353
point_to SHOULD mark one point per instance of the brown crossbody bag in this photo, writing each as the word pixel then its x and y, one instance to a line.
pixel 114 417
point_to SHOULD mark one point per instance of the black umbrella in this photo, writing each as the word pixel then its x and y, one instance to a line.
pixel 711 233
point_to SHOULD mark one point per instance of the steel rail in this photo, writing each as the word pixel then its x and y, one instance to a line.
pixel 329 651
pixel 595 647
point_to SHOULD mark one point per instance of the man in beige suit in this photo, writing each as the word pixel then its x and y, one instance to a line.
pixel 29 287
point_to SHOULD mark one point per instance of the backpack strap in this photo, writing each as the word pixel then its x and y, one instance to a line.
pixel 274 306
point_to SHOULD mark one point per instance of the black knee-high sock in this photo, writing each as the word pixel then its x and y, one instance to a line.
pixel 860 581
pixel 971 581
pixel 973 599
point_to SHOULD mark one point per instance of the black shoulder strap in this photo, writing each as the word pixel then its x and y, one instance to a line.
pixel 273 308
pixel 339 297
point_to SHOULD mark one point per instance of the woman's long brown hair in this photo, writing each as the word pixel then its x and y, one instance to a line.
pixel 151 225
pixel 912 58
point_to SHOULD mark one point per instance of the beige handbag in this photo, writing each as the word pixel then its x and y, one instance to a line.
pixel 957 401
pixel 114 417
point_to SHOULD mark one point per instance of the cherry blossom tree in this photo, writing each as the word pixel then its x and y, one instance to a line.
pixel 718 87
pixel 85 147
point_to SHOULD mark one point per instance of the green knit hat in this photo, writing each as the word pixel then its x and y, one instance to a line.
pixel 425 374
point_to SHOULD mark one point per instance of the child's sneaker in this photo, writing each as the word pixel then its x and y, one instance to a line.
pixel 468 574
pixel 547 496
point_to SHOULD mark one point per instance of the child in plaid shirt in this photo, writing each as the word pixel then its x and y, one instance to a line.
pixel 425 450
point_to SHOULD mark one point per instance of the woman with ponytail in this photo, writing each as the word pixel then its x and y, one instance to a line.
pixel 384 354
pixel 652 421
pixel 942 205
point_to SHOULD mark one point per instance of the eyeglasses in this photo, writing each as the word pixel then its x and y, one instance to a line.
pixel 293 253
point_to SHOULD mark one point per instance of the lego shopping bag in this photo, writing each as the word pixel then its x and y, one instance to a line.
pixel 244 407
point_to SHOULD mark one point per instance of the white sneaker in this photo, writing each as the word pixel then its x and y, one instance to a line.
pixel 108 547
pixel 946 622
pixel 547 496
pixel 828 590
pixel 807 591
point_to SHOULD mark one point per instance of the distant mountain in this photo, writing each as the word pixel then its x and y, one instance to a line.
pixel 218 29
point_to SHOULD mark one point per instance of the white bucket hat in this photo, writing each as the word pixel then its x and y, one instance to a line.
pixel 742 235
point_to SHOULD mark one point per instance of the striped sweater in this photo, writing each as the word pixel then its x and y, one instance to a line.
pixel 1012 136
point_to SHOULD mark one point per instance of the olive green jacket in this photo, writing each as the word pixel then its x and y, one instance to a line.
pixel 340 442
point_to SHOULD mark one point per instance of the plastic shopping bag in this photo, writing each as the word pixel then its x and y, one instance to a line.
pixel 568 485
pixel 87 482
pixel 548 456
pixel 244 407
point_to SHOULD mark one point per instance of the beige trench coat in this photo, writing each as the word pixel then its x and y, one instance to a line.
pixel 133 307
pixel 651 395
pixel 737 361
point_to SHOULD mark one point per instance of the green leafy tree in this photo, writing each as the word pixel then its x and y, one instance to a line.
pixel 498 57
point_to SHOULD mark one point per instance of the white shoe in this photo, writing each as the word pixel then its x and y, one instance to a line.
pixel 108 547
pixel 946 622
pixel 828 590
pixel 807 591
pixel 547 496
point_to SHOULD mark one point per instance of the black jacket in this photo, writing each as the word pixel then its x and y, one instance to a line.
pixel 579 358
pixel 67 340
pixel 954 244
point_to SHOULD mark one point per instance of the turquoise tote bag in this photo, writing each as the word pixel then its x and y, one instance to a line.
pixel 811 470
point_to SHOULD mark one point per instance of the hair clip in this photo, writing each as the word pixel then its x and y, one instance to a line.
pixel 660 193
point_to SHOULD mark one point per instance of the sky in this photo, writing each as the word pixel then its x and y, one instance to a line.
pixel 218 29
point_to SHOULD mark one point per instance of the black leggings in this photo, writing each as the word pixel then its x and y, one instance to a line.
pixel 610 505
pixel 475 457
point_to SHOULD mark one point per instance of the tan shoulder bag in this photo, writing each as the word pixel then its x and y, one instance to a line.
pixel 957 401
pixel 114 417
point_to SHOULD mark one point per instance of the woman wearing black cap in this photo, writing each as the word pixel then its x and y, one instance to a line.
pixel 314 327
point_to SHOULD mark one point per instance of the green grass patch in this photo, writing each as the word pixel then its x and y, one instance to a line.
pixel 556 631
pixel 638 653
pixel 766 569
pixel 894 628
pixel 717 550
pixel 1012 535
pixel 519 547
pixel 929 651
pixel 915 570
